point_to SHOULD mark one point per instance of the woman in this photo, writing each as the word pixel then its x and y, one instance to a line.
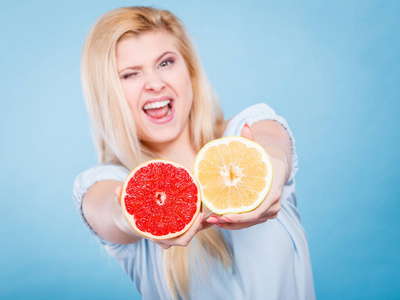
pixel 148 97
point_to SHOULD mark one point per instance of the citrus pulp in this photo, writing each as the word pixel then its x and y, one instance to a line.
pixel 160 199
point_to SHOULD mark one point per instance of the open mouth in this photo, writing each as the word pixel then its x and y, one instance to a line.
pixel 158 109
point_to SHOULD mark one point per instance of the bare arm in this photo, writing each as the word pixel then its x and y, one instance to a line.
pixel 104 214
pixel 275 140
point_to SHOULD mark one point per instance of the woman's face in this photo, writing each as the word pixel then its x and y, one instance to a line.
pixel 157 86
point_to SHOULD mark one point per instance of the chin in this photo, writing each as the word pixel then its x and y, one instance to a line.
pixel 160 138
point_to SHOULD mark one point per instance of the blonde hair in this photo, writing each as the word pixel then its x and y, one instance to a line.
pixel 113 127
pixel 112 124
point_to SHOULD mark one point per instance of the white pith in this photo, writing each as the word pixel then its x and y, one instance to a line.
pixel 231 174
pixel 157 104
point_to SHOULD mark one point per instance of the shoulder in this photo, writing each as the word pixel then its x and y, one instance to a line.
pixel 250 115
pixel 256 113
pixel 100 172
pixel 104 171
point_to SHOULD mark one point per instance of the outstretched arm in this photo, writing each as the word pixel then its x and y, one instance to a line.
pixel 275 140
pixel 104 215
pixel 103 212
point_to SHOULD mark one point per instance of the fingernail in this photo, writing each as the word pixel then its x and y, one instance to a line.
pixel 219 225
pixel 225 219
pixel 247 125
pixel 212 220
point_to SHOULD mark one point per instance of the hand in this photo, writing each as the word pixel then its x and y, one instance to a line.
pixel 183 240
pixel 268 209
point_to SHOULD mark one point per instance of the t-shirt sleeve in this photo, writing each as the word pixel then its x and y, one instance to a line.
pixel 257 113
pixel 89 177
pixel 132 257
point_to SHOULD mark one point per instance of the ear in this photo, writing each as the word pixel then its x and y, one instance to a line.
pixel 246 132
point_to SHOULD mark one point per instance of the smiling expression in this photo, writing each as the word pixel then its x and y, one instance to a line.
pixel 157 86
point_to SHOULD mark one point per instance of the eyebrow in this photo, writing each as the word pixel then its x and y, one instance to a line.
pixel 157 59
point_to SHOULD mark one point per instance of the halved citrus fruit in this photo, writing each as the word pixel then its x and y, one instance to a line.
pixel 234 174
pixel 160 199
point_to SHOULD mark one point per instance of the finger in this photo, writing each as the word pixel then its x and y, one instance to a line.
pixel 205 225
pixel 213 218
pixel 121 221
pixel 274 209
pixel 251 216
pixel 262 213
pixel 117 193
pixel 204 209
pixel 246 132
pixel 237 226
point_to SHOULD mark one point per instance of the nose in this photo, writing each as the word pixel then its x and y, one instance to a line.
pixel 154 82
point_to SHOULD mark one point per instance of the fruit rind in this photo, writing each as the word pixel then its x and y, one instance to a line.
pixel 248 143
pixel 131 219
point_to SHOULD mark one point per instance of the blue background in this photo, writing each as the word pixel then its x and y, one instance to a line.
pixel 331 68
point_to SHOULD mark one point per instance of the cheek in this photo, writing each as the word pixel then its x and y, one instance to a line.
pixel 189 94
pixel 186 86
pixel 131 92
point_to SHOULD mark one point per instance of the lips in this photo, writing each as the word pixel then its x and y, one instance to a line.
pixel 159 110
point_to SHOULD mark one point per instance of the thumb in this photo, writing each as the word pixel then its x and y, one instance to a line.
pixel 246 132
pixel 117 193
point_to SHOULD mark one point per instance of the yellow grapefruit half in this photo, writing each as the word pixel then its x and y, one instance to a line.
pixel 234 174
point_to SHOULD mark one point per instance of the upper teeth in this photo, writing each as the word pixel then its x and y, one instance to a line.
pixel 157 104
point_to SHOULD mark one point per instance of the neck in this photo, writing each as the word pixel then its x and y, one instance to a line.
pixel 181 150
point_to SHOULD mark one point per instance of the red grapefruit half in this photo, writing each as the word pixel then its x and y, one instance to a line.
pixel 160 199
